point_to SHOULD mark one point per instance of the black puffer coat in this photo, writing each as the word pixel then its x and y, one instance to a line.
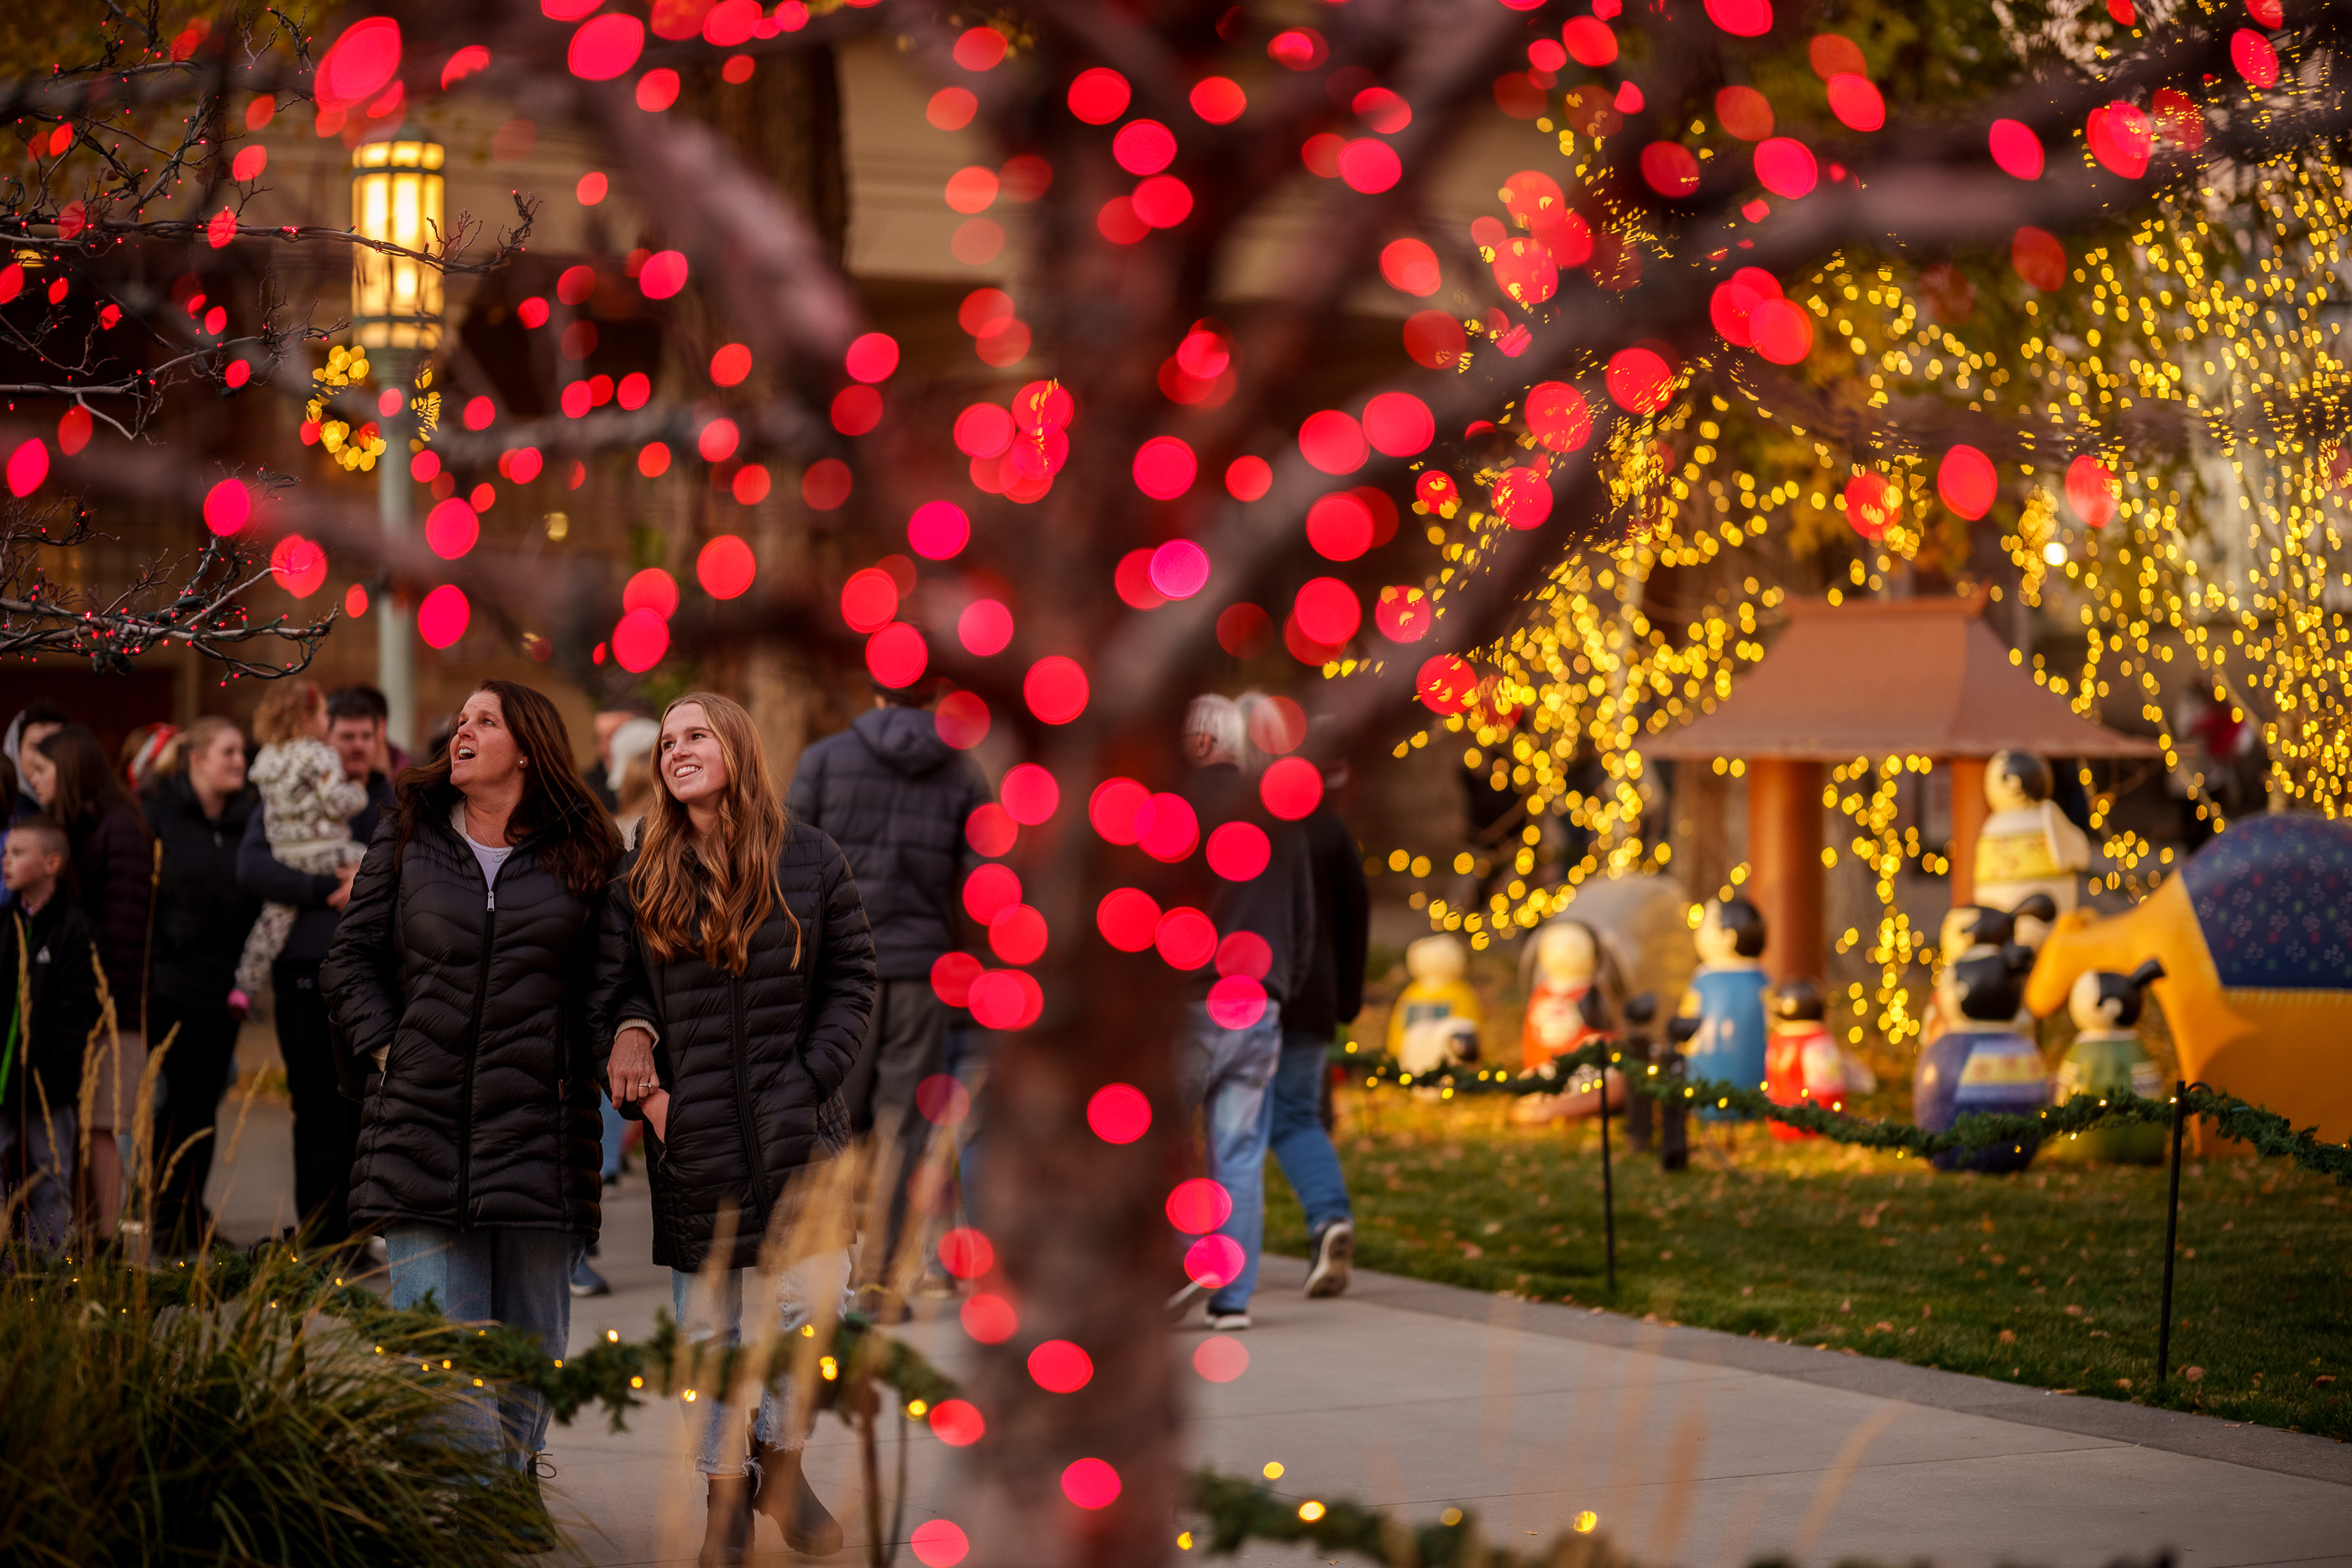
pixel 896 798
pixel 113 870
pixel 750 1062
pixel 201 916
pixel 485 1116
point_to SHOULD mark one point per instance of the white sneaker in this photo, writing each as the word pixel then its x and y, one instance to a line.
pixel 1228 1323
pixel 1335 1255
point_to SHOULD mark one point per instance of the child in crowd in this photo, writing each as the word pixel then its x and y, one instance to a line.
pixel 307 805
pixel 49 973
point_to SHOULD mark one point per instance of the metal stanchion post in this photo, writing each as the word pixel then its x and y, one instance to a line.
pixel 1640 1116
pixel 2171 1231
pixel 1608 1191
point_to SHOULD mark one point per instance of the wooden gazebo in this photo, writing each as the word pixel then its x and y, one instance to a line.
pixel 1874 678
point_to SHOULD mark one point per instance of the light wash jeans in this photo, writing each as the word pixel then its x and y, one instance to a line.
pixel 522 1279
pixel 969 1054
pixel 1229 1074
pixel 716 1316
pixel 50 1143
pixel 1309 1163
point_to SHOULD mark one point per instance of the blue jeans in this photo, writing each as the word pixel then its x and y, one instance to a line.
pixel 50 1143
pixel 1229 1073
pixel 522 1279
pixel 615 1129
pixel 705 1320
pixel 1309 1163
pixel 969 1053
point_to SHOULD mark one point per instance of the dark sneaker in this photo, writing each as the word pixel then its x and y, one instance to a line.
pixel 1334 1258
pixel 1229 1322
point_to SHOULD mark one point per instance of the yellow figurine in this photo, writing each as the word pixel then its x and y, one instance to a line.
pixel 1436 1017
pixel 2027 845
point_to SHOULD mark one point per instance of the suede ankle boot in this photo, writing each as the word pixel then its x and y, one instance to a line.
pixel 783 1495
pixel 727 1533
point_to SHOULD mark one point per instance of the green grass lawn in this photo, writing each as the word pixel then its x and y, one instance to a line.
pixel 2050 1278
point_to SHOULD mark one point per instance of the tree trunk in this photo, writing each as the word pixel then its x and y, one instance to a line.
pixel 786 121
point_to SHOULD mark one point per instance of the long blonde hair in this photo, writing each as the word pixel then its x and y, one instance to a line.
pixel 710 895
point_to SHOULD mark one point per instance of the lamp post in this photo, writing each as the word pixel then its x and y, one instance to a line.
pixel 397 192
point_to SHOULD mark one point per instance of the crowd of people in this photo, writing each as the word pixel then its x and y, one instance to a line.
pixel 155 894
pixel 484 968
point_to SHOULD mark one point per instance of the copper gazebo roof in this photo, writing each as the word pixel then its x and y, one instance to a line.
pixel 1879 677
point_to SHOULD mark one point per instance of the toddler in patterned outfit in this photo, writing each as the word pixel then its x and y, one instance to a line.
pixel 308 806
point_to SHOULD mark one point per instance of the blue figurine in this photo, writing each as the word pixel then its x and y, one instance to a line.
pixel 1983 1064
pixel 1727 997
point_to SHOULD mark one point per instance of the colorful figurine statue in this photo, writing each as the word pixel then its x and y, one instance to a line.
pixel 2027 845
pixel 2255 937
pixel 1968 927
pixel 1727 995
pixel 1984 1065
pixel 1804 1064
pixel 1567 964
pixel 1641 921
pixel 1638 928
pixel 2108 1058
pixel 1436 1018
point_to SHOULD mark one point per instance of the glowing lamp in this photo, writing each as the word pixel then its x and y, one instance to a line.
pixel 397 194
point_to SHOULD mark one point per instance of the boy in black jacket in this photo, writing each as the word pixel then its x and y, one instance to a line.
pixel 51 984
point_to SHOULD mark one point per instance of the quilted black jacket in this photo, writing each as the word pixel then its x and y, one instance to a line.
pixel 485 1116
pixel 896 798
pixel 749 1061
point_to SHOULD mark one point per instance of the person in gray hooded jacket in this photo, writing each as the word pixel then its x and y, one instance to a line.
pixel 896 798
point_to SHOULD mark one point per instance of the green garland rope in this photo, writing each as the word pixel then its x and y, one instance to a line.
pixel 1238 1512
pixel 2269 1133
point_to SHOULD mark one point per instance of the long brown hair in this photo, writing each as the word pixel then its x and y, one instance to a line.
pixel 698 894
pixel 583 845
pixel 87 786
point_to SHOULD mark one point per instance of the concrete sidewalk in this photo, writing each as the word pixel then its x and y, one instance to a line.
pixel 1691 1447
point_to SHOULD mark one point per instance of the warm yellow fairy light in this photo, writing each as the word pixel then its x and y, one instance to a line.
pixel 2215 319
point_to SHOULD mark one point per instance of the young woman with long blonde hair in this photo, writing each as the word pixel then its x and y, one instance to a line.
pixel 734 981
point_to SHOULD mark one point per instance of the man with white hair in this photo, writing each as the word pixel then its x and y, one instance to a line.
pixel 1229 1066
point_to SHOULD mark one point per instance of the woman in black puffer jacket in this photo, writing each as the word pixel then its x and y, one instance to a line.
pixel 459 972
pixel 736 941
pixel 197 810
